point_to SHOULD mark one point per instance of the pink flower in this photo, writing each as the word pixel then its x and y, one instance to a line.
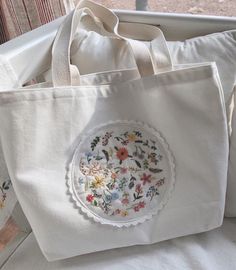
pixel 136 208
pixel 89 197
pixel 125 201
pixel 123 170
pixel 146 178
pixel 117 212
pixel 138 188
pixel 141 204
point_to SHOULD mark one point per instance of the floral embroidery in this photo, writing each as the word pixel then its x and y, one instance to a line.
pixel 122 154
pixel 3 192
pixel 121 173
pixel 146 178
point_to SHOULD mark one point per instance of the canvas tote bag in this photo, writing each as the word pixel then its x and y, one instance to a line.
pixel 99 167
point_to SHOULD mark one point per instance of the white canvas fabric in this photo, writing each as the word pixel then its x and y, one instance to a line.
pixel 222 48
pixel 230 209
pixel 99 167
pixel 7 195
pixel 211 250
pixel 218 47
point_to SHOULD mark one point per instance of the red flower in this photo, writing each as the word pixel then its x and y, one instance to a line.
pixel 146 178
pixel 141 204
pixel 90 198
pixel 136 208
pixel 122 153
pixel 138 188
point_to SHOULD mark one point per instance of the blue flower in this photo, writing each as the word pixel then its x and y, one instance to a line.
pixel 81 180
pixel 114 196
pixel 88 154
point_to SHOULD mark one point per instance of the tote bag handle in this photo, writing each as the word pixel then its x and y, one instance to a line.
pixel 61 69
pixel 158 46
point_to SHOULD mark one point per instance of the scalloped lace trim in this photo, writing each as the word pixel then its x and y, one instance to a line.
pixel 122 173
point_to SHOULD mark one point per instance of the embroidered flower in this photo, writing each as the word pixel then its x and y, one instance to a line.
pixel 88 154
pixel 124 213
pixel 123 170
pixel 98 182
pixel 136 208
pixel 132 137
pixel 125 201
pixel 113 175
pixel 122 154
pixel 152 191
pixel 108 198
pixel 160 182
pixel 106 137
pixel 141 204
pixel 114 196
pixel 152 157
pixel 109 184
pixel 138 188
pixel 3 192
pixel 146 178
pixel 90 198
pixel 117 212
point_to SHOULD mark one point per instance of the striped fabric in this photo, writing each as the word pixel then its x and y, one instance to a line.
pixel 20 16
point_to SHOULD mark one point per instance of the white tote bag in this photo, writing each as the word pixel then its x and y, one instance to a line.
pixel 99 167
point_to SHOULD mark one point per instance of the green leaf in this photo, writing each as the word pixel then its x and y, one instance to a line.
pixel 95 203
pixel 106 154
pixel 137 163
pixel 98 158
pixel 6 184
pixel 95 142
pixel 155 170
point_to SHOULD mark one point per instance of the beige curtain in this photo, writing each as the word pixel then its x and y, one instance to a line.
pixel 20 16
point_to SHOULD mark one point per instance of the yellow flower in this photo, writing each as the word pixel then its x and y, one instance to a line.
pixel 124 213
pixel 132 137
pixel 98 182
pixel 1 205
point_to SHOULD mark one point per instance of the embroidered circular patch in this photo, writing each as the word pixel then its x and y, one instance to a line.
pixel 122 173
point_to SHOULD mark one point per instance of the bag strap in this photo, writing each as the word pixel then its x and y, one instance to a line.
pixel 135 31
pixel 61 71
pixel 158 45
pixel 148 61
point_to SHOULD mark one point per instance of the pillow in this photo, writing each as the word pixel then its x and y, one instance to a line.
pixel 230 209
pixel 217 47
